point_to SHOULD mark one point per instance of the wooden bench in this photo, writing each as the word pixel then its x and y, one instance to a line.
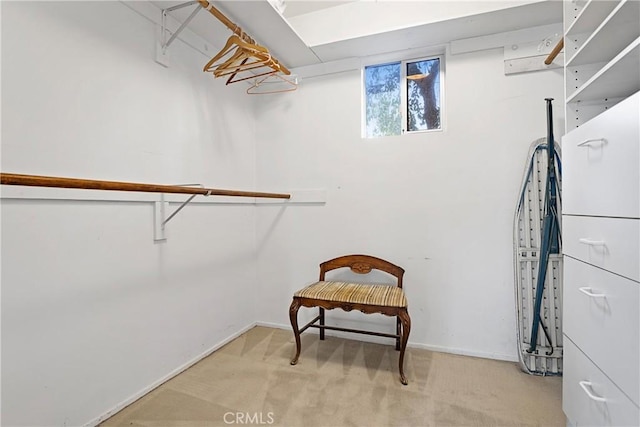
pixel 389 300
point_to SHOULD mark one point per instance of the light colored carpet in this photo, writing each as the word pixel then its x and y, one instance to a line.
pixel 340 382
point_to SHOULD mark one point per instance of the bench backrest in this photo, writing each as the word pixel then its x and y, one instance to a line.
pixel 362 264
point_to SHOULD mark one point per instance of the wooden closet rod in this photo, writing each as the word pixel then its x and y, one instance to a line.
pixel 233 27
pixel 92 184
pixel 556 50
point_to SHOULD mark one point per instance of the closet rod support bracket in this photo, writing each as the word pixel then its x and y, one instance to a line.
pixel 162 56
pixel 160 210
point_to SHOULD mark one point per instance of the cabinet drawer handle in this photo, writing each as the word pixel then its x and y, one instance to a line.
pixel 588 142
pixel 590 242
pixel 589 292
pixel 584 385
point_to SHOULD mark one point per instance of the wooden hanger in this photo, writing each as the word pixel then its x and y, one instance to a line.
pixel 249 60
pixel 244 58
pixel 245 67
pixel 273 67
pixel 240 46
pixel 243 45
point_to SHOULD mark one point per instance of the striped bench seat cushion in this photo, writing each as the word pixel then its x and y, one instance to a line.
pixel 355 293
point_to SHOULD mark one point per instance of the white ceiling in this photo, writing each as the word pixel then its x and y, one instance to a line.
pixel 267 26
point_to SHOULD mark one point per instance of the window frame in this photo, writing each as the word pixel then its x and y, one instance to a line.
pixel 403 93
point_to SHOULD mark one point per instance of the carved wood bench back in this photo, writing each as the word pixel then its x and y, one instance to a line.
pixel 362 264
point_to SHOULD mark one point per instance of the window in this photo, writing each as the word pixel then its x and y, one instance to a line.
pixel 402 97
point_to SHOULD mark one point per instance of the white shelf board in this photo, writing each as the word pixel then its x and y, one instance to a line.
pixel 261 20
pixel 258 19
pixel 619 78
pixel 591 15
pixel 615 33
pixel 10 192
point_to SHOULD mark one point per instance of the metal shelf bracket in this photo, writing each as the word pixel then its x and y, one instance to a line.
pixel 160 209
pixel 162 54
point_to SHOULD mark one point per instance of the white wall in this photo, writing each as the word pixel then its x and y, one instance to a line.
pixel 93 312
pixel 439 204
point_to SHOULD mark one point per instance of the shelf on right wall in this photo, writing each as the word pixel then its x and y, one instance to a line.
pixel 601 213
pixel 602 51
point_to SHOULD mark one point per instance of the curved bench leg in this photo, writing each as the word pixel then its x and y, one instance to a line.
pixel 406 329
pixel 293 316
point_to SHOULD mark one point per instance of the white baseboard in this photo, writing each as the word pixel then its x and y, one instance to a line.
pixel 167 377
pixel 274 325
pixel 437 348
pixel 465 352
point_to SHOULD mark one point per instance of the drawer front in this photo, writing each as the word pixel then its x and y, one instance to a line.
pixel 600 164
pixel 609 243
pixel 589 398
pixel 601 313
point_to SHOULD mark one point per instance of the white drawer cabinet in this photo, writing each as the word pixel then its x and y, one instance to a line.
pixel 603 314
pixel 589 398
pixel 600 164
pixel 601 213
pixel 609 243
